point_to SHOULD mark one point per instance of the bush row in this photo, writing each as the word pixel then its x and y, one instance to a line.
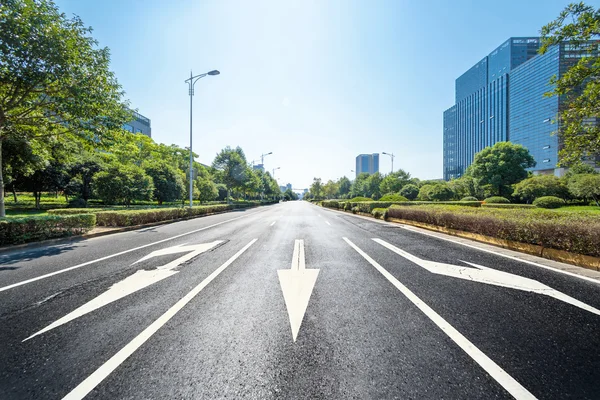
pixel 368 206
pixel 540 227
pixel 22 230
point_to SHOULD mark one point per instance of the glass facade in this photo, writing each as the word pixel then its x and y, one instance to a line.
pixel 368 163
pixel 532 114
pixel 140 124
pixel 510 106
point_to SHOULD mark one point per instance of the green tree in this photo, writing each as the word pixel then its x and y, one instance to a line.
pixel 540 185
pixel 372 186
pixel 168 181
pixel 586 186
pixel 501 166
pixel 207 190
pixel 393 182
pixel 123 184
pixel 330 189
pixel 232 168
pixel 316 189
pixel 466 186
pixel 82 172
pixel 344 185
pixel 290 195
pixel 580 85
pixel 359 186
pixel 435 192
pixel 410 191
pixel 54 79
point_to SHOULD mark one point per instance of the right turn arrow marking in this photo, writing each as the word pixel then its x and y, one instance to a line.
pixel 297 285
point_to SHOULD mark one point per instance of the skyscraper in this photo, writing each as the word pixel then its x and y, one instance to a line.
pixel 140 124
pixel 501 98
pixel 368 163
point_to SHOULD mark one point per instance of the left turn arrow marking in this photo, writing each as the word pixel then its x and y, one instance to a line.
pixel 135 282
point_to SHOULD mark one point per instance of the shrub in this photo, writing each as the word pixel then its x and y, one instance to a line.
pixel 548 202
pixel 21 230
pixel 469 198
pixel 393 197
pixel 358 199
pixel 77 203
pixel 540 186
pixel 123 184
pixel 410 191
pixel 507 206
pixel 562 231
pixel 496 200
pixel 379 213
pixel 139 217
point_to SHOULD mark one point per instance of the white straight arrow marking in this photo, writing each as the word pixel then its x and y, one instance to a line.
pixel 297 285
pixel 489 276
pixel 131 284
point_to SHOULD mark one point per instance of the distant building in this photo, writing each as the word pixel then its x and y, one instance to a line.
pixel 501 98
pixel 282 188
pixel 259 167
pixel 368 163
pixel 288 186
pixel 140 124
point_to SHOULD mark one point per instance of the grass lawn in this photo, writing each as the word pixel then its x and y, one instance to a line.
pixel 594 210
pixel 24 213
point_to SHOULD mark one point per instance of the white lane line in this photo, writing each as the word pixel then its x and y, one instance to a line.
pixel 494 370
pixel 14 285
pixel 585 278
pixel 327 222
pixel 273 223
pixel 115 361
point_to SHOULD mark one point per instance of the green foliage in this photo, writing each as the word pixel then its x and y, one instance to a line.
pixel 123 184
pixel 21 230
pixel 290 195
pixel 344 186
pixel 410 191
pixel 77 203
pixel 551 229
pixel 393 182
pixel 466 186
pixel 393 197
pixel 435 192
pixel 232 167
pixel 500 166
pixel 579 87
pixel 379 213
pixel 469 198
pixel 539 186
pixel 496 200
pixel 505 206
pixel 140 217
pixel 55 81
pixel 316 189
pixel 359 198
pixel 167 180
pixel 330 189
pixel 549 202
pixel 586 186
pixel 207 190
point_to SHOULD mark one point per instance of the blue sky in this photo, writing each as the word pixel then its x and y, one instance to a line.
pixel 315 82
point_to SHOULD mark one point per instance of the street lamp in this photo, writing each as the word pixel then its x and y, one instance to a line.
pixel 392 157
pixel 191 82
pixel 274 169
pixel 262 158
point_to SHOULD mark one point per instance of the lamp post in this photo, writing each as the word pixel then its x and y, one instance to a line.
pixel 275 169
pixel 262 158
pixel 392 157
pixel 191 82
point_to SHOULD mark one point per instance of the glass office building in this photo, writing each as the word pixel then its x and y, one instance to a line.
pixel 140 124
pixel 368 163
pixel 480 116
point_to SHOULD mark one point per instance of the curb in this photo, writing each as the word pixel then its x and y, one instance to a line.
pixel 108 231
pixel 579 260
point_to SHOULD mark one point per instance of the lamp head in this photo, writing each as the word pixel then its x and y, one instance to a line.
pixel 214 72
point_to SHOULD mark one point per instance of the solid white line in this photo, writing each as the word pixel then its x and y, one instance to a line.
pixel 273 223
pixel 327 222
pixel 14 285
pixel 494 370
pixel 115 361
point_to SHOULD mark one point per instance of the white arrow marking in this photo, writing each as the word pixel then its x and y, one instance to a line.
pixel 489 276
pixel 297 285
pixel 133 283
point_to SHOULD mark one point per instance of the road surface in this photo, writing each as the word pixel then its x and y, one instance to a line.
pixel 291 301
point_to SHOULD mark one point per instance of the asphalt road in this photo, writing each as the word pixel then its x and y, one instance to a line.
pixel 291 301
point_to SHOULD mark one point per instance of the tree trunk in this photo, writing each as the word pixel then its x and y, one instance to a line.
pixel 38 197
pixel 14 192
pixel 2 210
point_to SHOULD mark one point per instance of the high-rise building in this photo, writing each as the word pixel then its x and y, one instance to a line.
pixel 501 98
pixel 368 163
pixel 140 124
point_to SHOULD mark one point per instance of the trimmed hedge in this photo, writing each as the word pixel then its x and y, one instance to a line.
pixel 497 200
pixel 549 202
pixel 357 199
pixel 368 206
pixel 393 197
pixel 562 231
pixel 29 229
pixel 493 205
pixel 469 198
pixel 379 213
